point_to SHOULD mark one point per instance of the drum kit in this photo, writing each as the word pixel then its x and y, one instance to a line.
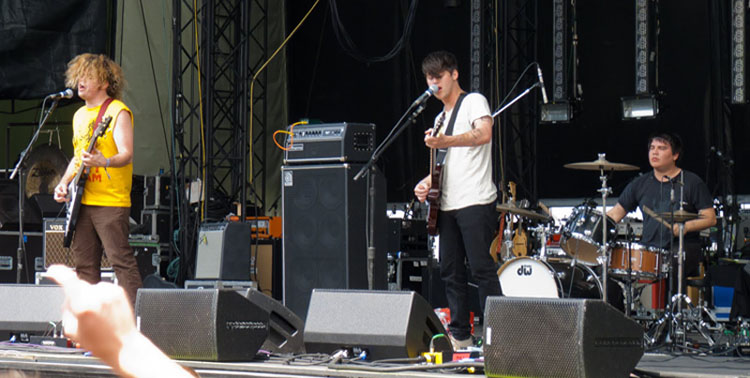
pixel 590 253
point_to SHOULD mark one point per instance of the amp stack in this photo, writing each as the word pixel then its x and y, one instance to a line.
pixel 153 236
pixel 324 212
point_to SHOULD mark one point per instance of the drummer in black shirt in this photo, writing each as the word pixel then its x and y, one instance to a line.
pixel 661 192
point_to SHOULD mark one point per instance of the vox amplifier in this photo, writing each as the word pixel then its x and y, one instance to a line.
pixel 52 245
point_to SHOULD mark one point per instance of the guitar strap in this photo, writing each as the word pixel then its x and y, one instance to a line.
pixel 449 130
pixel 102 110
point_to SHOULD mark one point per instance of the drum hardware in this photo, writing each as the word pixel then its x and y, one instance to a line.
pixel 677 321
pixel 603 166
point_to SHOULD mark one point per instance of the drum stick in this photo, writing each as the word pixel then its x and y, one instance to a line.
pixel 656 216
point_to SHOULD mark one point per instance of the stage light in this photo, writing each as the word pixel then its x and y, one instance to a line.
pixel 738 58
pixel 555 112
pixel 639 107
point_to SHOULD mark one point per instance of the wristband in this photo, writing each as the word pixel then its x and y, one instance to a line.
pixel 107 164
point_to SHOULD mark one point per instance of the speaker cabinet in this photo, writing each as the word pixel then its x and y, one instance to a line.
pixel 388 324
pixel 28 310
pixel 324 227
pixel 203 325
pixel 285 329
pixel 54 251
pixel 223 251
pixel 32 261
pixel 543 337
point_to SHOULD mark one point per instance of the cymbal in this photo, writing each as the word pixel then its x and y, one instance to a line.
pixel 599 164
pixel 531 214
pixel 680 216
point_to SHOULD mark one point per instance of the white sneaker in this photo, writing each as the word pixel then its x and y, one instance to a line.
pixel 461 344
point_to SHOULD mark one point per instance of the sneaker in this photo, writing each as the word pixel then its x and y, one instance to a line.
pixel 461 344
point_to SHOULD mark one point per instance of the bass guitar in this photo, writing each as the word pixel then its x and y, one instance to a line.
pixel 75 187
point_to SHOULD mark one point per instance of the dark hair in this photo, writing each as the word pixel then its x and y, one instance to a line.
pixel 674 141
pixel 437 62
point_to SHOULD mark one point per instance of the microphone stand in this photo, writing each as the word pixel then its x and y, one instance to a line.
pixel 370 170
pixel 21 251
pixel 513 101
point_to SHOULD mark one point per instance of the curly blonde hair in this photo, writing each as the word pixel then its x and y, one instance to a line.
pixel 98 66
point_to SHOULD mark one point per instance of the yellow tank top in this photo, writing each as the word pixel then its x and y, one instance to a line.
pixel 101 189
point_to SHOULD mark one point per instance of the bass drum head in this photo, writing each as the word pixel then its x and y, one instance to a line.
pixel 528 277
pixel 577 281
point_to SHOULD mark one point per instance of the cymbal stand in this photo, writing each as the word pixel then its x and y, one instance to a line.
pixel 629 281
pixel 604 254
pixel 543 229
pixel 508 239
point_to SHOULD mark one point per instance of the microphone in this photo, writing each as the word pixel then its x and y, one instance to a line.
pixel 429 92
pixel 67 93
pixel 541 82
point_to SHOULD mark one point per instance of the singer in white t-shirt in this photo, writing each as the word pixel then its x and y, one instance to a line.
pixel 467 218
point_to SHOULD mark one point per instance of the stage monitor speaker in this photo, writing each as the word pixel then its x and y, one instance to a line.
pixel 543 337
pixel 202 325
pixel 285 329
pixel 324 227
pixel 223 251
pixel 388 324
pixel 30 310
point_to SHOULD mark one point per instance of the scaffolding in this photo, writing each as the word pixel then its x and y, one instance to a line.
pixel 218 46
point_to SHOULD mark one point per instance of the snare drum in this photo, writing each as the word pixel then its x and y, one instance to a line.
pixel 645 261
pixel 530 277
pixel 582 234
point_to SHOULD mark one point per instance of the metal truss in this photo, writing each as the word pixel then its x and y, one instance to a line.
pixel 218 69
pixel 517 41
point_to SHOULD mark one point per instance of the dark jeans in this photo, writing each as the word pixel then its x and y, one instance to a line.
pixel 466 235
pixel 99 230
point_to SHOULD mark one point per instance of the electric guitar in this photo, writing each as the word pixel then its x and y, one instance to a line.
pixel 75 187
pixel 433 196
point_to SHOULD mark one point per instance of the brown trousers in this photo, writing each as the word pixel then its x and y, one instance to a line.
pixel 99 230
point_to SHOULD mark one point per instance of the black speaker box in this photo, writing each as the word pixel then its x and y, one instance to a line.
pixel 285 329
pixel 223 251
pixel 28 310
pixel 324 227
pixel 32 261
pixel 543 337
pixel 203 325
pixel 388 324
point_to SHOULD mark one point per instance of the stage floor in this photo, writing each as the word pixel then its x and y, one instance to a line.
pixel 57 362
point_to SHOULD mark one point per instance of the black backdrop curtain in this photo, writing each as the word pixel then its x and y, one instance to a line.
pixel 38 37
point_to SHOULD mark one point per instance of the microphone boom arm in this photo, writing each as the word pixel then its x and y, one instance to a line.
pixel 513 101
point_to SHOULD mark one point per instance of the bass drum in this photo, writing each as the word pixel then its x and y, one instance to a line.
pixel 530 277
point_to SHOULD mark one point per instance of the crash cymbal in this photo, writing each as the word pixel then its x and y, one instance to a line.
pixel 599 164
pixel 531 214
pixel 680 216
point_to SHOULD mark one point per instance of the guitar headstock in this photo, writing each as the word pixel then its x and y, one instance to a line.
pixel 102 126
